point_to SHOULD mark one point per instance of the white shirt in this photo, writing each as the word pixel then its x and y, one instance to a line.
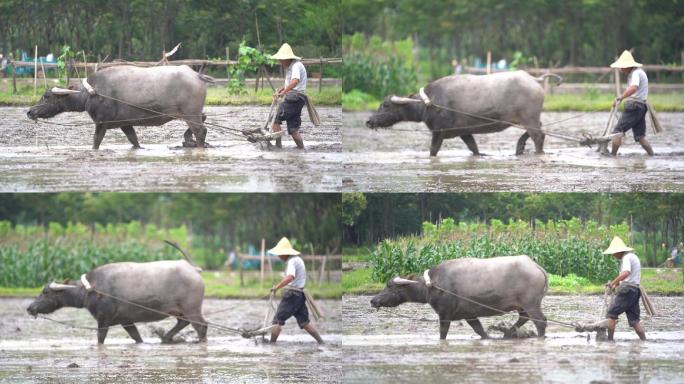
pixel 638 78
pixel 296 70
pixel 630 262
pixel 296 268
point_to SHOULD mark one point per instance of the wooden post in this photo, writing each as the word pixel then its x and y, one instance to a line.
pixel 14 78
pixel 42 68
pixel 489 62
pixel 616 73
pixel 320 78
pixel 85 65
pixel 320 277
pixel 263 250
pixel 270 267
pixel 35 69
pixel 242 279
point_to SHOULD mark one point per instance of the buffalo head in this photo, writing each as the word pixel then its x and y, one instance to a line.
pixel 393 110
pixel 397 291
pixel 54 102
pixel 52 298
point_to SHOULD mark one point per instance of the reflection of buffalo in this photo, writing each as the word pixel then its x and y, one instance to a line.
pixel 173 287
pixel 509 283
pixel 513 97
pixel 140 93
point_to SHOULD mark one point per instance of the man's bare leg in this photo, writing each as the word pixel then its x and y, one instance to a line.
pixel 279 142
pixel 275 332
pixel 611 329
pixel 646 146
pixel 640 331
pixel 313 332
pixel 297 137
pixel 617 141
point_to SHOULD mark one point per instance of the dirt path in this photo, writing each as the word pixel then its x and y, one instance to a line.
pixel 42 158
pixel 398 160
pixel 393 349
pixel 39 351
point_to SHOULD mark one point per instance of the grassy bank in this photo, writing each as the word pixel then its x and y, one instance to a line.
pixel 656 281
pixel 356 101
pixel 222 285
pixel 329 95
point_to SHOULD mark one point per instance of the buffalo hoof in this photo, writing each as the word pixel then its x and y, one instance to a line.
pixel 190 144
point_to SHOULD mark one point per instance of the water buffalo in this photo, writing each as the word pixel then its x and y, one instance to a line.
pixel 512 97
pixel 173 287
pixel 125 96
pixel 508 283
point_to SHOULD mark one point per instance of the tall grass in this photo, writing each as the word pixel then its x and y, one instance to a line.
pixel 561 247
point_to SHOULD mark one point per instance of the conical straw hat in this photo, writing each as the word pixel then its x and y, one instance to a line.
pixel 617 245
pixel 285 53
pixel 283 248
pixel 626 60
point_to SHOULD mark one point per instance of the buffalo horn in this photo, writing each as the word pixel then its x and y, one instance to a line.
pixel 401 100
pixel 62 91
pixel 400 281
pixel 60 287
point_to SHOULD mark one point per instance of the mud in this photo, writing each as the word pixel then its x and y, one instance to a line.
pixel 36 157
pixel 39 351
pixel 384 347
pixel 397 159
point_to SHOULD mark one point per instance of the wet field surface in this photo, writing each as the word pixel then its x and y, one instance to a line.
pixel 39 157
pixel 397 159
pixel 40 351
pixel 401 345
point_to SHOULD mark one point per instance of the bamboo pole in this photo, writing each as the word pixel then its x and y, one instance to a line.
pixel 261 275
pixel 35 69
pixel 320 277
pixel 320 77
pixel 489 62
pixel 617 82
pixel 44 75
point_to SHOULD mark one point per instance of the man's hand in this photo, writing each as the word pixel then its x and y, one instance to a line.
pixel 274 290
pixel 617 101
pixel 279 92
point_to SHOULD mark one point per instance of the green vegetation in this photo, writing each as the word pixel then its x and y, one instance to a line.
pixel 221 285
pixel 249 60
pixel 329 95
pixel 560 247
pixel 357 101
pixel 656 281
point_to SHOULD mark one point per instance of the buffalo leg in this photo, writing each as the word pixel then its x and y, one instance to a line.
pixel 200 326
pixel 102 328
pixel 538 139
pixel 520 148
pixel 539 320
pixel 436 144
pixel 188 140
pixel 99 135
pixel 469 140
pixel 522 319
pixel 198 129
pixel 133 332
pixel 477 327
pixel 444 328
pixel 130 134
pixel 168 337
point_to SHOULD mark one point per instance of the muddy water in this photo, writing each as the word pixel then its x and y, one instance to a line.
pixel 403 153
pixel 384 347
pixel 41 157
pixel 39 351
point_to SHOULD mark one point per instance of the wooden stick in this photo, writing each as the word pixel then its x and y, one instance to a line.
pixel 489 62
pixel 617 82
pixel 320 78
pixel 263 250
pixel 14 78
pixel 320 277
pixel 35 70
pixel 242 279
pixel 44 76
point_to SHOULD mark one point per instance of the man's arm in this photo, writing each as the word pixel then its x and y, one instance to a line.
pixel 628 92
pixel 291 86
pixel 623 275
pixel 285 281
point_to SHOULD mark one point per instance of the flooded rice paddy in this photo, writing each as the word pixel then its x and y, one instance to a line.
pixel 397 159
pixel 38 157
pixel 40 351
pixel 402 345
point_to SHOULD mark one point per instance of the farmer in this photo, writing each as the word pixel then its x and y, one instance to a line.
pixel 628 294
pixel 293 302
pixel 290 109
pixel 634 116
